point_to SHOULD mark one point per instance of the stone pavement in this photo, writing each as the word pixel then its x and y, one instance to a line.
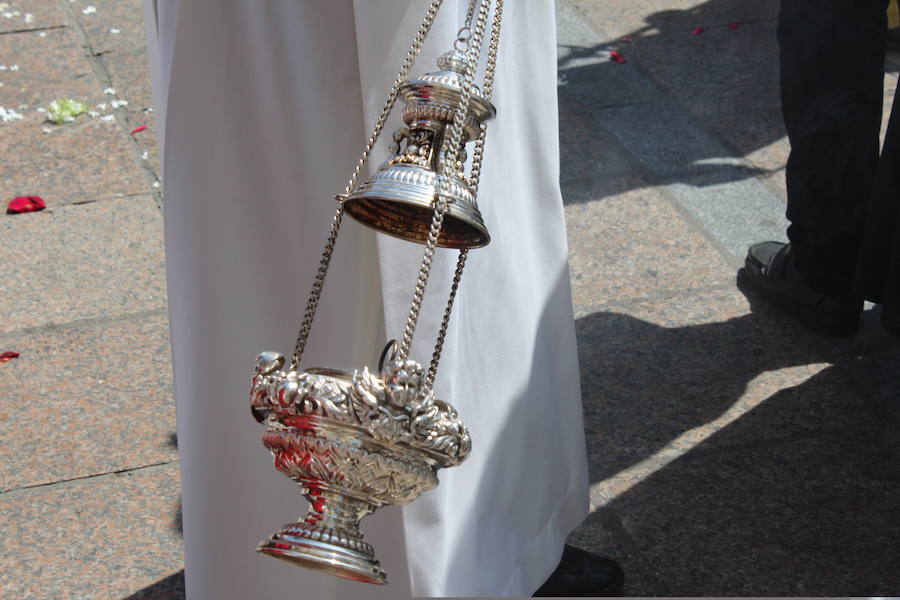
pixel 731 452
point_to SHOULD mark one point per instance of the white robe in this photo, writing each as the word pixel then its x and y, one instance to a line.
pixel 263 109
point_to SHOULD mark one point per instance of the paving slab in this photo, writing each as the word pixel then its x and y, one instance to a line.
pixel 42 66
pixel 586 70
pixel 68 263
pixel 590 188
pixel 25 15
pixel 660 377
pixel 868 361
pixel 667 142
pixel 811 517
pixel 645 246
pixel 170 587
pixel 145 140
pixel 572 29
pixel 651 17
pixel 776 184
pixel 721 71
pixel 130 75
pixel 753 410
pixel 735 213
pixel 874 376
pixel 86 398
pixel 111 26
pixel 586 149
pixel 758 136
pixel 596 81
pixel 90 159
pixel 104 537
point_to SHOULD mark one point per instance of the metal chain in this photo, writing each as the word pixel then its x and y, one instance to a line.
pixel 488 91
pixel 313 302
pixel 450 150
pixel 474 178
pixel 465 32
pixel 402 76
pixel 442 333
pixel 470 14
pixel 452 146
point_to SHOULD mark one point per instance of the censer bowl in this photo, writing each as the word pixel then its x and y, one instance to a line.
pixel 353 443
pixel 345 475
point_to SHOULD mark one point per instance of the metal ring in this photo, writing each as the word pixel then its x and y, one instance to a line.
pixel 393 347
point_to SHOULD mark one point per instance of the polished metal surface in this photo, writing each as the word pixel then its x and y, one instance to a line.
pixel 399 201
pixel 354 442
pixel 400 198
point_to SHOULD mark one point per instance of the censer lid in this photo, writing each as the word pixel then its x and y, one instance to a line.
pixel 445 86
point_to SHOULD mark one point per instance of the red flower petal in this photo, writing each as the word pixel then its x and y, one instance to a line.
pixel 627 39
pixel 24 204
pixel 616 57
pixel 733 26
pixel 138 129
pixel 8 356
pixel 696 31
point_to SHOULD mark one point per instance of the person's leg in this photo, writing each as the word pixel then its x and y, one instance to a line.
pixel 832 64
pixel 878 271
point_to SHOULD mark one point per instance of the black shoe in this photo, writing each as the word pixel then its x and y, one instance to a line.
pixel 582 574
pixel 771 271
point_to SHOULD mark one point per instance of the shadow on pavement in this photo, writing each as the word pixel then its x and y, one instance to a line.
pixel 170 588
pixel 681 105
pixel 738 458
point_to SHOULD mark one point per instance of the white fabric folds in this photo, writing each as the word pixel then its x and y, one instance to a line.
pixel 263 109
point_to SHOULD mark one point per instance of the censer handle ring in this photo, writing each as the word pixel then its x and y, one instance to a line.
pixel 391 349
pixel 463 37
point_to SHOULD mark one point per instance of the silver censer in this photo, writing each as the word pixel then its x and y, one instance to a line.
pixel 357 441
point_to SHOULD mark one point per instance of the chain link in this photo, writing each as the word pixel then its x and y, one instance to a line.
pixel 318 284
pixel 470 14
pixel 490 69
pixel 442 333
pixel 474 178
pixel 450 150
pixel 313 302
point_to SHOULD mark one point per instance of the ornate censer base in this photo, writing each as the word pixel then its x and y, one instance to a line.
pixel 353 443
pixel 324 549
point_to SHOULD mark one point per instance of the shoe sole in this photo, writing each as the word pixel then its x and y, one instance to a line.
pixel 815 321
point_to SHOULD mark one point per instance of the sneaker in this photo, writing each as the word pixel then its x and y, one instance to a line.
pixel 771 271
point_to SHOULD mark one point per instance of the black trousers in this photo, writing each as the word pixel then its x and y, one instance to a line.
pixel 832 72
